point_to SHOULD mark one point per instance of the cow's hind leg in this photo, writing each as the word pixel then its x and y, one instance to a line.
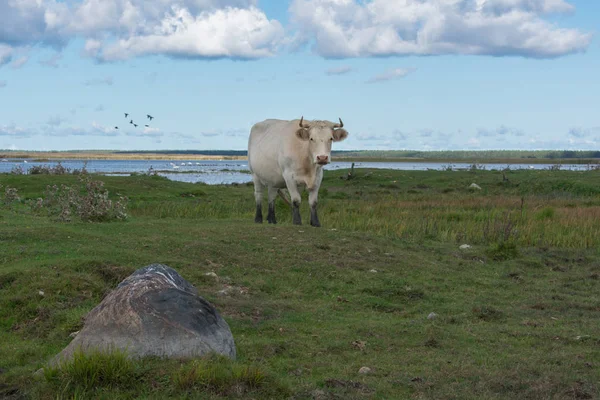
pixel 295 197
pixel 272 197
pixel 258 195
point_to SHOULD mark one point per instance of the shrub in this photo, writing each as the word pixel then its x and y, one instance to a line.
pixel 11 195
pixel 89 202
pixel 17 170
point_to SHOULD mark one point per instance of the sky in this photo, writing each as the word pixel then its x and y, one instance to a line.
pixel 401 74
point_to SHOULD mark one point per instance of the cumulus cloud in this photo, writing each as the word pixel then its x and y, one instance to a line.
pixel 99 81
pixel 121 29
pixel 55 120
pixel 581 133
pixel 19 62
pixel 388 75
pixel 500 131
pixel 371 138
pixel 51 62
pixel 3 84
pixel 339 70
pixel 357 28
pixel 15 131
pixel 5 54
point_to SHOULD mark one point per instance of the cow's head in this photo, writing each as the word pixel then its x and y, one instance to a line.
pixel 320 135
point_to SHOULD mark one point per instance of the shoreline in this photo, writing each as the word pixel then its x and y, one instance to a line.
pixel 39 156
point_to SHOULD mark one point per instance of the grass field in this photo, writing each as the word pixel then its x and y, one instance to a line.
pixel 517 313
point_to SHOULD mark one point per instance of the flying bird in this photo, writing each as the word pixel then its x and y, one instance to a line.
pixel 116 127
pixel 135 125
pixel 149 117
pixel 147 126
pixel 126 115
pixel 131 122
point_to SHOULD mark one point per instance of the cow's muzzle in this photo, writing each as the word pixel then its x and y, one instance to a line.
pixel 322 160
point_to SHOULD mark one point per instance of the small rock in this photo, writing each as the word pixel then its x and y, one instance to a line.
pixel 582 337
pixel 73 334
pixel 373 271
pixel 211 274
pixel 364 370
pixel 475 186
pixel 432 316
pixel 318 394
pixel 359 344
pixel 41 293
pixel 464 246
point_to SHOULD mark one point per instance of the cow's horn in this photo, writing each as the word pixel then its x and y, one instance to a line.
pixel 303 126
pixel 340 125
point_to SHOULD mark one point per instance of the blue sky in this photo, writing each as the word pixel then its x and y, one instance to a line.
pixel 402 74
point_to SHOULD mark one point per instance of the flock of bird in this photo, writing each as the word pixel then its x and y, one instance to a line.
pixel 150 117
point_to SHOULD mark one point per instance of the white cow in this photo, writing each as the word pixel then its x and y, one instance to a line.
pixel 285 154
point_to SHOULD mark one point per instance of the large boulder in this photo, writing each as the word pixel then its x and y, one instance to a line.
pixel 154 312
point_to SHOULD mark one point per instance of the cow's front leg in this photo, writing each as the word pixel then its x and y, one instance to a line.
pixel 272 197
pixel 292 188
pixel 312 202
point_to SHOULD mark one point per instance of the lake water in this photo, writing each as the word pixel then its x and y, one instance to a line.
pixel 226 172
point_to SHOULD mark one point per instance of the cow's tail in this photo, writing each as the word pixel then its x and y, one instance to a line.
pixel 280 193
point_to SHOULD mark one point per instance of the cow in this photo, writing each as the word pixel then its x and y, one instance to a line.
pixel 286 154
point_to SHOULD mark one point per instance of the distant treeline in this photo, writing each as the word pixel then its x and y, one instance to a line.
pixel 471 155
pixel 474 155
pixel 454 154
pixel 189 152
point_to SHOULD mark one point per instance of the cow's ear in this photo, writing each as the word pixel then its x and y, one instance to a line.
pixel 303 134
pixel 339 134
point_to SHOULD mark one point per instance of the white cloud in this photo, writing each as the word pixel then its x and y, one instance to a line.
pixel 371 138
pixel 581 133
pixel 500 131
pixel 51 62
pixel 151 131
pixel 356 28
pixel 122 29
pixel 14 130
pixel 19 62
pixel 55 120
pixel 339 70
pixel 5 54
pixel 394 73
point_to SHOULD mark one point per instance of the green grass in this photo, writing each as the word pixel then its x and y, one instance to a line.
pixel 516 313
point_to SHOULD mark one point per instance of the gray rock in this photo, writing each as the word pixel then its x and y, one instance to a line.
pixel 432 316
pixel 475 186
pixel 154 312
pixel 364 370
pixel 464 246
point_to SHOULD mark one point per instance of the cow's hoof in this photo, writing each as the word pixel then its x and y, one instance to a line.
pixel 317 225
pixel 258 221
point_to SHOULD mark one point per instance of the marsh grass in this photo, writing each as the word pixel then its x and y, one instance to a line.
pixel 91 370
pixel 517 311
